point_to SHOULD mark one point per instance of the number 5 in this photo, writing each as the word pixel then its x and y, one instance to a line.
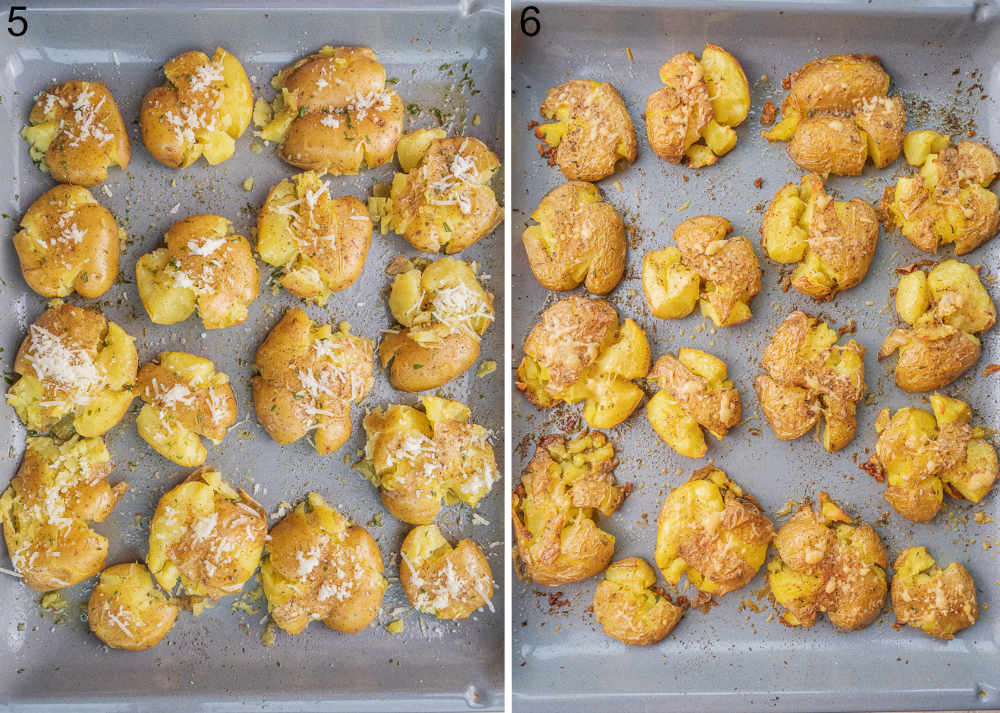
pixel 12 18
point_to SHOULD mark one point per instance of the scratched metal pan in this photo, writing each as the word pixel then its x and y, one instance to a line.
pixel 216 662
pixel 944 62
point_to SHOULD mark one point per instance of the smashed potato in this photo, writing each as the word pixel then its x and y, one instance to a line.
pixel 946 308
pixel 939 602
pixel 555 508
pixel 833 242
pixel 590 132
pixel 447 582
pixel 441 311
pixel 691 119
pixel 925 454
pixel 56 490
pixel 318 565
pixel 712 532
pixel 68 241
pixel 695 393
pixel 75 132
pixel 206 535
pixel 307 378
pixel 809 375
pixel 76 369
pixel 579 352
pixel 333 113
pixel 184 398
pixel 127 611
pixel 720 274
pixel 417 458
pixel 579 238
pixel 320 243
pixel 202 109
pixel 205 267
pixel 826 563
pixel 949 200
pixel 630 608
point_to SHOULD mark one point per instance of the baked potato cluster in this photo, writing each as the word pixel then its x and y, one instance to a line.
pixel 307 378
pixel 832 241
pixel 205 266
pixel 837 116
pixel 947 308
pixel 808 376
pixel 691 118
pixel 76 372
pixel 441 311
pixel 58 488
pixel 68 242
pixel 320 243
pixel 713 532
pixel 939 602
pixel 925 454
pixel 555 509
pixel 204 106
pixel 590 132
pixel 630 607
pixel 75 133
pixel 827 564
pixel 441 580
pixel 949 200
pixel 184 398
pixel 318 565
pixel 333 112
pixel 417 458
pixel 127 611
pixel 719 274
pixel 695 393
pixel 578 351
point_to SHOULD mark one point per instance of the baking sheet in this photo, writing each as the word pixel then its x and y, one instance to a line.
pixel 944 62
pixel 216 661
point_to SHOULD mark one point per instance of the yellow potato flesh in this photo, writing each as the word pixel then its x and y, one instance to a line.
pixel 727 86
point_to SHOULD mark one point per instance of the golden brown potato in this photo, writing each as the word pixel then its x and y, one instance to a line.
pixel 695 393
pixel 56 490
pixel 939 602
pixel 333 113
pixel 925 454
pixel 206 535
pixel 202 109
pixel 579 238
pixel 833 242
pixel 76 369
pixel 949 201
pixel 441 311
pixel 448 582
pixel 946 309
pixel 206 267
pixel 590 132
pixel 691 119
pixel 75 132
pixel 320 243
pixel 318 565
pixel 826 144
pixel 555 508
pixel 127 611
pixel 307 378
pixel 808 376
pixel 417 458
pixel 184 398
pixel 68 241
pixel 711 531
pixel 630 608
pixel 579 352
pixel 826 563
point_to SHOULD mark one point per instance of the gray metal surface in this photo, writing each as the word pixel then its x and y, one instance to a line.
pixel 216 662
pixel 947 68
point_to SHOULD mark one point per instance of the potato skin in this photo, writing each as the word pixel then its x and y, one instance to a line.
pixel 630 608
pixel 450 583
pixel 126 611
pixel 828 144
pixel 939 602
pixel 415 368
pixel 834 83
